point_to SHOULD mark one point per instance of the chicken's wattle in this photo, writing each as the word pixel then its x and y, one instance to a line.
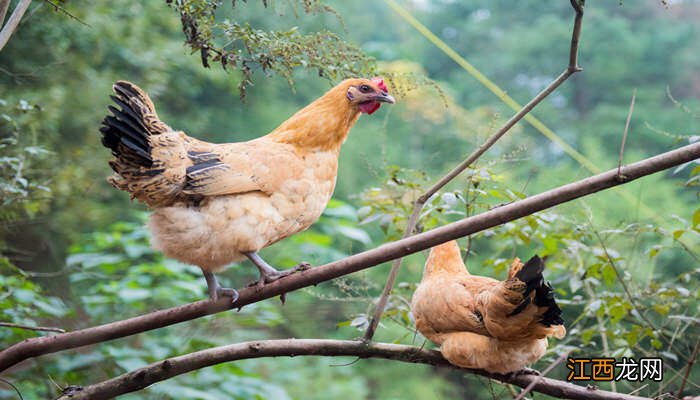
pixel 369 107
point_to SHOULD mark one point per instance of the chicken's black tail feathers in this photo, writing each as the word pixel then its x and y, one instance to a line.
pixel 544 297
pixel 531 275
pixel 126 131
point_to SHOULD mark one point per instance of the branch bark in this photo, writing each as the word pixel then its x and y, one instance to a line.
pixel 571 69
pixel 4 5
pixel 13 21
pixel 44 345
pixel 162 370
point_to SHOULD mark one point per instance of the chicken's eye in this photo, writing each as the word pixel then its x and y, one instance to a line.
pixel 365 89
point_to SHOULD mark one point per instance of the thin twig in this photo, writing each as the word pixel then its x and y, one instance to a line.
pixel 9 28
pixel 58 7
pixel 32 328
pixel 418 205
pixel 639 389
pixel 603 330
pixel 688 368
pixel 624 135
pixel 389 251
pixel 544 373
pixel 162 370
pixel 621 279
pixel 4 5
pixel 8 383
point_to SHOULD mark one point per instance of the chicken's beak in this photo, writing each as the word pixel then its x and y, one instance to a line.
pixel 385 97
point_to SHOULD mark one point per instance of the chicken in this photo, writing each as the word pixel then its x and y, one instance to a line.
pixel 214 204
pixel 483 323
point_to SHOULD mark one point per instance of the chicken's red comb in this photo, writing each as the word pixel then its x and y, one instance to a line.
pixel 380 84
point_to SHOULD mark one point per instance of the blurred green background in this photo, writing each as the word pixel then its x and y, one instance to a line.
pixel 74 252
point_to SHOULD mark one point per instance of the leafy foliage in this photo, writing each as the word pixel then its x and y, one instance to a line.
pixel 244 48
pixel 23 186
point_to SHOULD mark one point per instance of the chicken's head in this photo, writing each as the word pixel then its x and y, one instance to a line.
pixel 367 94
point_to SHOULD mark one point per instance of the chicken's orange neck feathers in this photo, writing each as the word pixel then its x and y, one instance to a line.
pixel 323 124
pixel 445 258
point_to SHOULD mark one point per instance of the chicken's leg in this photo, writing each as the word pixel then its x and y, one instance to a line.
pixel 215 290
pixel 268 273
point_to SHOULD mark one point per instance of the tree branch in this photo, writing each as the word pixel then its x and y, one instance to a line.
pixel 13 21
pixel 627 127
pixel 4 5
pixel 33 347
pixel 162 370
pixel 544 373
pixel 688 368
pixel 418 205
pixel 31 328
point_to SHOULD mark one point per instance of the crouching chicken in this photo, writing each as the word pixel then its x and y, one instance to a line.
pixel 483 323
pixel 214 204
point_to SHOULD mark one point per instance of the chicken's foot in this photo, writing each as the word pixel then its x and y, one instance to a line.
pixel 216 291
pixel 268 273
pixel 525 371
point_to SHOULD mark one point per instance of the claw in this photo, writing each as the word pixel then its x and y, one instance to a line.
pixel 302 266
pixel 227 292
pixel 526 371
pixel 269 274
pixel 216 291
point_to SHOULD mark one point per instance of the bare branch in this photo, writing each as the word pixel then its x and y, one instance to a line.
pixel 624 134
pixel 9 28
pixel 162 370
pixel 8 383
pixel 571 69
pixel 4 5
pixel 688 368
pixel 44 345
pixel 544 373
pixel 58 7
pixel 32 328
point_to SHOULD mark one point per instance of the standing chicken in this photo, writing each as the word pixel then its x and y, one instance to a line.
pixel 482 323
pixel 214 204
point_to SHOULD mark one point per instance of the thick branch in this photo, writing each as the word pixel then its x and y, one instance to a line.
pixel 162 370
pixel 37 346
pixel 13 21
pixel 571 69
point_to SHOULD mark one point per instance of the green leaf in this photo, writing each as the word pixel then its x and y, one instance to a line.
pixel 662 309
pixel 609 274
pixel 617 312
pixel 550 245
pixel 632 337
pixel 587 334
pixel 696 217
pixel 654 251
